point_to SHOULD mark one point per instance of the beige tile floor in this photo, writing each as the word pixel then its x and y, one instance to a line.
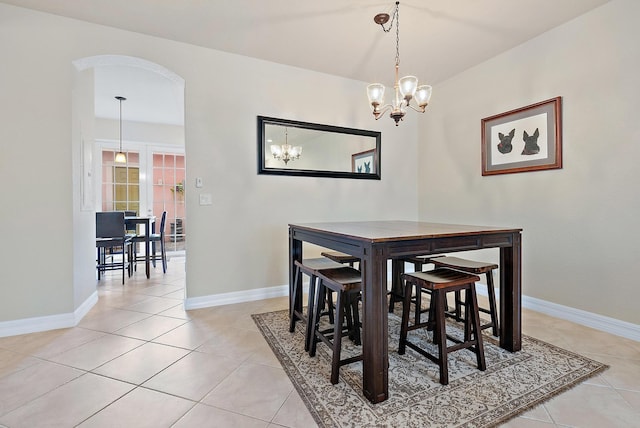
pixel 139 360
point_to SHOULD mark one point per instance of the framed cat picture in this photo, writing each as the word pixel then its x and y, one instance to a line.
pixel 363 162
pixel 524 139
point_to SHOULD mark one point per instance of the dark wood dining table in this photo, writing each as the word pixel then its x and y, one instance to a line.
pixel 376 242
pixel 149 223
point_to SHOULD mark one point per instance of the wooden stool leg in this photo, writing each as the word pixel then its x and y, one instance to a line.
pixel 477 331
pixel 417 267
pixel 311 308
pixel 492 304
pixel 396 295
pixel 468 320
pixel 458 306
pixel 417 313
pixel 329 302
pixel 405 318
pixel 337 338
pixel 297 288
pixel 440 329
pixel 316 319
pixel 433 317
pixel 347 313
pixel 354 332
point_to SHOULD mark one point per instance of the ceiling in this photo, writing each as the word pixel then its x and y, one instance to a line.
pixel 438 38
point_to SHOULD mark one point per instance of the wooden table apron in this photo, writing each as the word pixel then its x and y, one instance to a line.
pixel 374 253
pixel 149 227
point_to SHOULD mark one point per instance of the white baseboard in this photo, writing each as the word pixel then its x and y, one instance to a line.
pixel 599 322
pixel 588 319
pixel 236 297
pixel 51 322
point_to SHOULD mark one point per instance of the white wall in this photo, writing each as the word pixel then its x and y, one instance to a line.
pixel 580 234
pixel 246 241
pixel 139 131
pixel 83 136
pixel 238 243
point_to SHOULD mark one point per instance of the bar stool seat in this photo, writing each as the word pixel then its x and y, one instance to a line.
pixel 346 283
pixel 439 282
pixel 476 268
pixel 342 258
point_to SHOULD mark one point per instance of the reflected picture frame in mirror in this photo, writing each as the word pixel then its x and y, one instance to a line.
pixel 290 147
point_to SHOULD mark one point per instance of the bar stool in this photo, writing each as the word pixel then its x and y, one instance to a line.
pixel 397 294
pixel 309 267
pixel 475 268
pixel 342 258
pixel 441 281
pixel 346 283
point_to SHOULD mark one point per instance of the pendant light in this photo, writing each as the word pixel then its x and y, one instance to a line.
pixel 120 156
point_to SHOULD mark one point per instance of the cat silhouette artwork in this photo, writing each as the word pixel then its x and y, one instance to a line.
pixel 531 143
pixel 360 169
pixel 367 167
pixel 504 146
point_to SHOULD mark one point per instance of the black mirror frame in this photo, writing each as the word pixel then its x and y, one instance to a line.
pixel 263 121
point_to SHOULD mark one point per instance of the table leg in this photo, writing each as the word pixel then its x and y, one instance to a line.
pixel 375 363
pixel 147 257
pixel 396 295
pixel 295 253
pixel 511 296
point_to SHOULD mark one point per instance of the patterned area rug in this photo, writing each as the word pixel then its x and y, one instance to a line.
pixel 512 383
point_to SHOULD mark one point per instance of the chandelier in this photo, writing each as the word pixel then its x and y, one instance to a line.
pixel 405 89
pixel 285 152
pixel 120 156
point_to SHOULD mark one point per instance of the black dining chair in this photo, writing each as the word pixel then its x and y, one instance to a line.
pixel 155 238
pixel 132 229
pixel 111 240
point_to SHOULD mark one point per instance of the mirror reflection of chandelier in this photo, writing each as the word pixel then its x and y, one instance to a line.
pixel 286 152
pixel 405 89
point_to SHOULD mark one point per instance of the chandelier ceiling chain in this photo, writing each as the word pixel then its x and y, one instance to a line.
pixel 405 89
pixel 382 18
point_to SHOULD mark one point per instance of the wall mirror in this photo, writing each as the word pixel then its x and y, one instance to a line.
pixel 288 147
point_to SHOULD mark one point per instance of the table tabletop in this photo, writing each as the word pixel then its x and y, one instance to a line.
pixel 398 230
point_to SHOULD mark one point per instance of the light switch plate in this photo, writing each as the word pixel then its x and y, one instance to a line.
pixel 198 181
pixel 205 199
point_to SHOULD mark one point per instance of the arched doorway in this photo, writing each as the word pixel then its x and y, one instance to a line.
pixel 154 117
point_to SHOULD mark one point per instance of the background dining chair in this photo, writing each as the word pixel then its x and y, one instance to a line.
pixel 155 238
pixel 111 237
pixel 131 229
